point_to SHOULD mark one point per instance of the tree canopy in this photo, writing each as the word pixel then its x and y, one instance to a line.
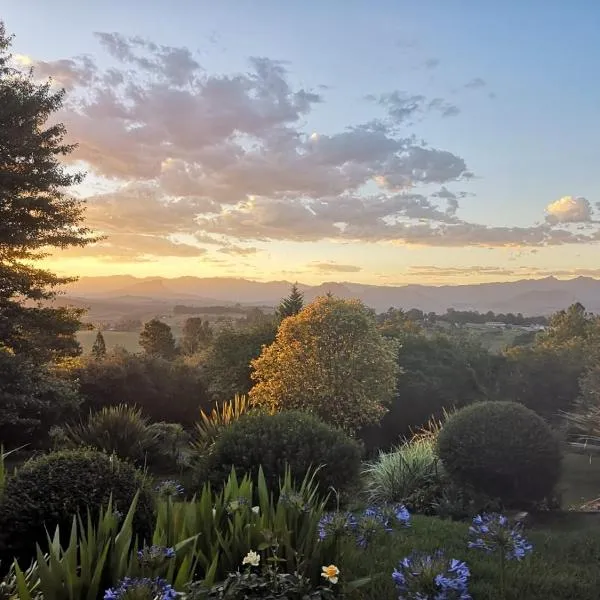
pixel 36 213
pixel 156 339
pixel 292 304
pixel 330 360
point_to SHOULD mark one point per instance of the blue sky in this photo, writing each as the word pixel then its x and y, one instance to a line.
pixel 519 76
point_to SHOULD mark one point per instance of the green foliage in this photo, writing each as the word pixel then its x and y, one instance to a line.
pixel 99 347
pixel 292 304
pixel 167 451
pixel 226 364
pixel 36 213
pixel 32 400
pixel 437 374
pixel 197 334
pixel 222 416
pixel 165 390
pixel 210 536
pixel 156 339
pixel 329 360
pixel 120 430
pixel 288 439
pixel 48 491
pixel 268 585
pixel 502 449
pixel 410 474
pixel 544 379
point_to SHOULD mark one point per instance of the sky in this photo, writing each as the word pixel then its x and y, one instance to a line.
pixel 382 142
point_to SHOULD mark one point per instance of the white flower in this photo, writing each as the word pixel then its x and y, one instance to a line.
pixel 252 559
pixel 214 513
pixel 256 510
pixel 331 573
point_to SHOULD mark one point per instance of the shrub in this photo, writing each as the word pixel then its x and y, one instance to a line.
pixel 289 438
pixel 503 449
pixel 48 491
pixel 410 474
pixel 165 390
pixel 211 425
pixel 120 430
pixel 169 446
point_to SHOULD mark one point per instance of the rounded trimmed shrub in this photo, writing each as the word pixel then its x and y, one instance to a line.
pixel 502 449
pixel 48 491
pixel 291 438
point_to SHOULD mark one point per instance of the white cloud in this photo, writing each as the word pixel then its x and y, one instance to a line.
pixel 569 209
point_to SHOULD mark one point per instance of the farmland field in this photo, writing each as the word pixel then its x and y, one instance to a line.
pixel 125 339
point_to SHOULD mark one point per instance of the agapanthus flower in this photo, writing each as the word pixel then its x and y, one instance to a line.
pixel 170 488
pixel 336 524
pixel 236 505
pixel 432 577
pixel 493 533
pixel 155 556
pixel 141 589
pixel 294 500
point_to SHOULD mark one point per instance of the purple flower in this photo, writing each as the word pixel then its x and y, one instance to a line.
pixel 141 589
pixel 170 488
pixel 493 533
pixel 431 577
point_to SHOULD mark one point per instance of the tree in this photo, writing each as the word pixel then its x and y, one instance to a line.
pixel 292 304
pixel 330 360
pixel 36 214
pixel 32 400
pixel 99 347
pixel 436 374
pixel 197 333
pixel 156 339
pixel 165 390
pixel 226 363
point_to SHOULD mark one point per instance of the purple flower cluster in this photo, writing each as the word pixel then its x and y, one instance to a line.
pixel 364 526
pixel 170 488
pixel 141 589
pixel 432 577
pixel 493 533
pixel 155 556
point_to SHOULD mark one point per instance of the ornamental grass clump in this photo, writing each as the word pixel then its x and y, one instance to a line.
pixel 494 534
pixel 431 577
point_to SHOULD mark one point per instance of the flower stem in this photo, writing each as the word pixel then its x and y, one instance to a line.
pixel 502 576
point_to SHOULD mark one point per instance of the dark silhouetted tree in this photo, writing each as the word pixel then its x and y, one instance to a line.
pixel 36 214
pixel 197 334
pixel 99 347
pixel 156 339
pixel 292 304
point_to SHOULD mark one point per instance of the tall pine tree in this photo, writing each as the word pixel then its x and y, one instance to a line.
pixel 292 304
pixel 36 214
pixel 99 347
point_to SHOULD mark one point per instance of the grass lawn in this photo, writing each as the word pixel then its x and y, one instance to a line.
pixel 580 480
pixel 563 566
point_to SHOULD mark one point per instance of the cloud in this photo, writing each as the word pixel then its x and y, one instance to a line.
pixel 135 248
pixel 239 250
pixel 569 209
pixel 432 63
pixel 520 272
pixel 402 107
pixel 475 84
pixel 228 159
pixel 331 267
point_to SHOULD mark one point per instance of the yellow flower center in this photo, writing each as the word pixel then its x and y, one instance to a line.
pixel 331 571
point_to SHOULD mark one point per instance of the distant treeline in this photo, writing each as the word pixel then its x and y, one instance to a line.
pixel 462 317
pixel 238 309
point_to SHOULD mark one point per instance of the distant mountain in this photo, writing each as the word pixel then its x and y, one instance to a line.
pixel 530 296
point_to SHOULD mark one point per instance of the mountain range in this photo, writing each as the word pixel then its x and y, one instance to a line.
pixel 528 296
